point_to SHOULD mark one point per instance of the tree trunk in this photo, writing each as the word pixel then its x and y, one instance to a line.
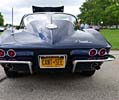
pixel 116 26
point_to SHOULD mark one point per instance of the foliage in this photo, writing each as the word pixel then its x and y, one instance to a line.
pixel 97 11
pixel 112 15
pixel 1 20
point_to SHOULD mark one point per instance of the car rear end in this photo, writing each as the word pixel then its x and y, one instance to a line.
pixel 54 59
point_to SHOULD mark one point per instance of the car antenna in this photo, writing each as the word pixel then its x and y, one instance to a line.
pixel 13 23
pixel 12 20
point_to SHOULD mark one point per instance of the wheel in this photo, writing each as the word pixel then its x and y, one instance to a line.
pixel 10 73
pixel 87 73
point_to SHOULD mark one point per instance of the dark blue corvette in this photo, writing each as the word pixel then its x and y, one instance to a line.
pixel 49 41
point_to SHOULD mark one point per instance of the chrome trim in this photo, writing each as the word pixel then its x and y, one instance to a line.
pixel 90 51
pixel 11 50
pixel 110 58
pixel 4 53
pixel 100 50
pixel 18 62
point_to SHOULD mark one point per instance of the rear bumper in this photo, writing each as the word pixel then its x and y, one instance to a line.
pixel 75 62
pixel 110 58
pixel 18 62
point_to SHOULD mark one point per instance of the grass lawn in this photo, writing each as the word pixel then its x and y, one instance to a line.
pixel 112 36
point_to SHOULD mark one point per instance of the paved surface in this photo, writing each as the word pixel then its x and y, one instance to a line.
pixel 104 85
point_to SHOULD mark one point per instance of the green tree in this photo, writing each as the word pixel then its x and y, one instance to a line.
pixel 1 20
pixel 112 13
pixel 96 11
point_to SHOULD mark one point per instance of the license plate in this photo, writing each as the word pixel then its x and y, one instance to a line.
pixel 52 61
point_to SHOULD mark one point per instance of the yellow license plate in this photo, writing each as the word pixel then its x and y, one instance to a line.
pixel 52 61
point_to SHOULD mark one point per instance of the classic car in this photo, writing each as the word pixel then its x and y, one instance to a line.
pixel 51 42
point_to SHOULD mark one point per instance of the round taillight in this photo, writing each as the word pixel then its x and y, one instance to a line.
pixel 92 52
pixel 102 52
pixel 11 53
pixel 2 53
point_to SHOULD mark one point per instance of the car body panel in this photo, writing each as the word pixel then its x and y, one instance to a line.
pixel 78 39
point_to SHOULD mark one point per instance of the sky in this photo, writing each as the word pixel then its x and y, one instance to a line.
pixel 22 7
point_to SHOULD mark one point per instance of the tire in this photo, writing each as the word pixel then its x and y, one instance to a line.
pixel 87 73
pixel 10 73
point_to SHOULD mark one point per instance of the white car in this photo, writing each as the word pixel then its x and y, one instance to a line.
pixel 2 28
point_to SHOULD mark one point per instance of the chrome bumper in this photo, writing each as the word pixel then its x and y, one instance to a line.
pixel 18 62
pixel 110 58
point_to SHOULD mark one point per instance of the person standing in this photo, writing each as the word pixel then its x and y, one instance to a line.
pixel 82 26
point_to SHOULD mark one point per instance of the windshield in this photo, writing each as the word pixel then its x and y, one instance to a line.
pixel 48 25
pixel 48 18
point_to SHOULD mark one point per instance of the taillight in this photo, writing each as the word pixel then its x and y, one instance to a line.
pixel 102 52
pixel 2 53
pixel 92 52
pixel 11 53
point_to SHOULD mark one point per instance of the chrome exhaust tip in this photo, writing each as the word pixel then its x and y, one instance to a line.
pixel 95 66
pixel 10 66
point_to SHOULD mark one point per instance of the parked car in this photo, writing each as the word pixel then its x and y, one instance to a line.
pixel 49 41
pixel 95 27
pixel 1 28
